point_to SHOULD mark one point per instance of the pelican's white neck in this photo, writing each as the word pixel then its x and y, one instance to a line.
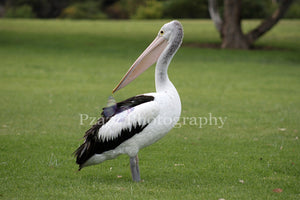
pixel 162 81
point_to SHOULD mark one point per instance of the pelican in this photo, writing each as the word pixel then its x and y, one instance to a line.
pixel 130 125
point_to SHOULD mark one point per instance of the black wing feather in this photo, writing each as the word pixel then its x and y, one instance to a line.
pixel 94 145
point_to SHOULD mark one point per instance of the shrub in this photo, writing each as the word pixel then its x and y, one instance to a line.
pixel 255 9
pixel 151 10
pixel 294 11
pixel 186 9
pixel 24 11
pixel 84 10
pixel 118 10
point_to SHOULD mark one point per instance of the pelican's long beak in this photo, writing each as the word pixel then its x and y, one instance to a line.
pixel 144 61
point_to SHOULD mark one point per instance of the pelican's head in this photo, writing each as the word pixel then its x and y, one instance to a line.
pixel 172 32
pixel 171 35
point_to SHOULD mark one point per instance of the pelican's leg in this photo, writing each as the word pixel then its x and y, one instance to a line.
pixel 135 171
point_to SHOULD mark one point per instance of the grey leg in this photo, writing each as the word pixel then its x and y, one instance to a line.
pixel 135 171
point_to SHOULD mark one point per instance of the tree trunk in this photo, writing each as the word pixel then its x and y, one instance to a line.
pixel 268 23
pixel 233 37
pixel 230 28
pixel 214 14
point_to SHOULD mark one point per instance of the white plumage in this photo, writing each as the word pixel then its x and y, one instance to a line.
pixel 142 114
pixel 142 120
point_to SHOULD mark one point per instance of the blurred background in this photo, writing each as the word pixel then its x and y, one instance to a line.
pixel 132 9
pixel 62 58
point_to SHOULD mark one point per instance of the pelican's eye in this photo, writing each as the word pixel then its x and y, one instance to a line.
pixel 161 32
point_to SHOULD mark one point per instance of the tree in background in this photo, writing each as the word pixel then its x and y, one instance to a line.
pixel 34 8
pixel 134 9
pixel 230 26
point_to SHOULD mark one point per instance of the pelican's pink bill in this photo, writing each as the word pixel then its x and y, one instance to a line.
pixel 144 61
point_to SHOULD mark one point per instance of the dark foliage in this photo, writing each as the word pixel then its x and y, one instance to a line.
pixel 126 9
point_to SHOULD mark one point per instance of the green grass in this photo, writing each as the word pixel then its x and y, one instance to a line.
pixel 52 71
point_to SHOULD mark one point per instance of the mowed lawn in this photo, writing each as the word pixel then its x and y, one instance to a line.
pixel 52 73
